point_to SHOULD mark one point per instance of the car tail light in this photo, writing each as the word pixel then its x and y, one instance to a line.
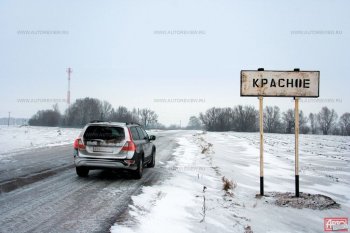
pixel 129 146
pixel 78 144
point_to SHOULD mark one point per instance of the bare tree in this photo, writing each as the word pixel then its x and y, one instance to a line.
pixel 304 128
pixel 241 118
pixel 121 114
pixel 194 123
pixel 344 122
pixel 217 119
pixel 288 121
pixel 225 118
pixel 272 119
pixel 106 110
pixel 135 115
pixel 148 117
pixel 49 117
pixel 245 118
pixel 82 111
pixel 313 123
pixel 326 119
pixel 209 118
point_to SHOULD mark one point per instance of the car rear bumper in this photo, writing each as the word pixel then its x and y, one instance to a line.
pixel 103 163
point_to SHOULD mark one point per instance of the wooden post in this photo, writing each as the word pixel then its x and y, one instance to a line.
pixel 296 99
pixel 261 125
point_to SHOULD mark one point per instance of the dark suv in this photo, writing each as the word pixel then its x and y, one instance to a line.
pixel 113 145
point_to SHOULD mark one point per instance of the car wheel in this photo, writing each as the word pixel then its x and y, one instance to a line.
pixel 139 170
pixel 152 163
pixel 82 171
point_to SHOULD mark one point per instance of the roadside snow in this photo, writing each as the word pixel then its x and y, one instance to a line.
pixel 15 139
pixel 193 199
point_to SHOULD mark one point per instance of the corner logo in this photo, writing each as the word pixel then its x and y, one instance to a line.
pixel 336 224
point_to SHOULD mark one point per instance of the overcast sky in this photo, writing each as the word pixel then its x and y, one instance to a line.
pixel 132 52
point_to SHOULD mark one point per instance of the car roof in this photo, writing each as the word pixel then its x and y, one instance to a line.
pixel 108 123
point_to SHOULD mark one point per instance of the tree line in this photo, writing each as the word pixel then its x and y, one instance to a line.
pixel 246 119
pixel 239 118
pixel 85 110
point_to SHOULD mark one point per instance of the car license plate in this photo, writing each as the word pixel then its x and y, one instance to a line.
pixel 102 149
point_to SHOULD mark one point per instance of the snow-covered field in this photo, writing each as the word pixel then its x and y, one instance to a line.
pixel 193 199
pixel 15 138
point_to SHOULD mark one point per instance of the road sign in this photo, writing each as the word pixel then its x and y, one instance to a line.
pixel 280 83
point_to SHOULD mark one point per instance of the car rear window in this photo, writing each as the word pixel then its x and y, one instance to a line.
pixel 106 133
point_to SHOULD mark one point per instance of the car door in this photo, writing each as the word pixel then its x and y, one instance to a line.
pixel 149 144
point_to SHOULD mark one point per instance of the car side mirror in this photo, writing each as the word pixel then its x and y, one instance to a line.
pixel 152 138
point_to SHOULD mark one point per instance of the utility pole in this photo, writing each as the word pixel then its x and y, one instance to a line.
pixel 69 71
pixel 8 121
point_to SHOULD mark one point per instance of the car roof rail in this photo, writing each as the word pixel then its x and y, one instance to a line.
pixel 132 123
pixel 95 121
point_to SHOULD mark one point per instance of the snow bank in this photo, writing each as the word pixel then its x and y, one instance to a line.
pixel 192 200
pixel 14 138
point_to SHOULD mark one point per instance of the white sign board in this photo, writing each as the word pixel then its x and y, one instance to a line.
pixel 280 83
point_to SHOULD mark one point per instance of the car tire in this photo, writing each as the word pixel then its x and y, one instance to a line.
pixel 138 172
pixel 82 171
pixel 152 163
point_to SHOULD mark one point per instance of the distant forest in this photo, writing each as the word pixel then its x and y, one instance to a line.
pixel 246 119
pixel 239 118
pixel 83 111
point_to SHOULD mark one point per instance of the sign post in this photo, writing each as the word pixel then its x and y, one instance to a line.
pixel 261 125
pixel 296 100
pixel 272 83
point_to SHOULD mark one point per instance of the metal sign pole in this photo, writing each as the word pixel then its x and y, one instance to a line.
pixel 296 99
pixel 261 145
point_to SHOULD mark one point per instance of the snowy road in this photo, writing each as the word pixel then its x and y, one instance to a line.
pixel 40 191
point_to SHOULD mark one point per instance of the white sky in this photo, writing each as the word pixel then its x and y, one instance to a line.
pixel 116 55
